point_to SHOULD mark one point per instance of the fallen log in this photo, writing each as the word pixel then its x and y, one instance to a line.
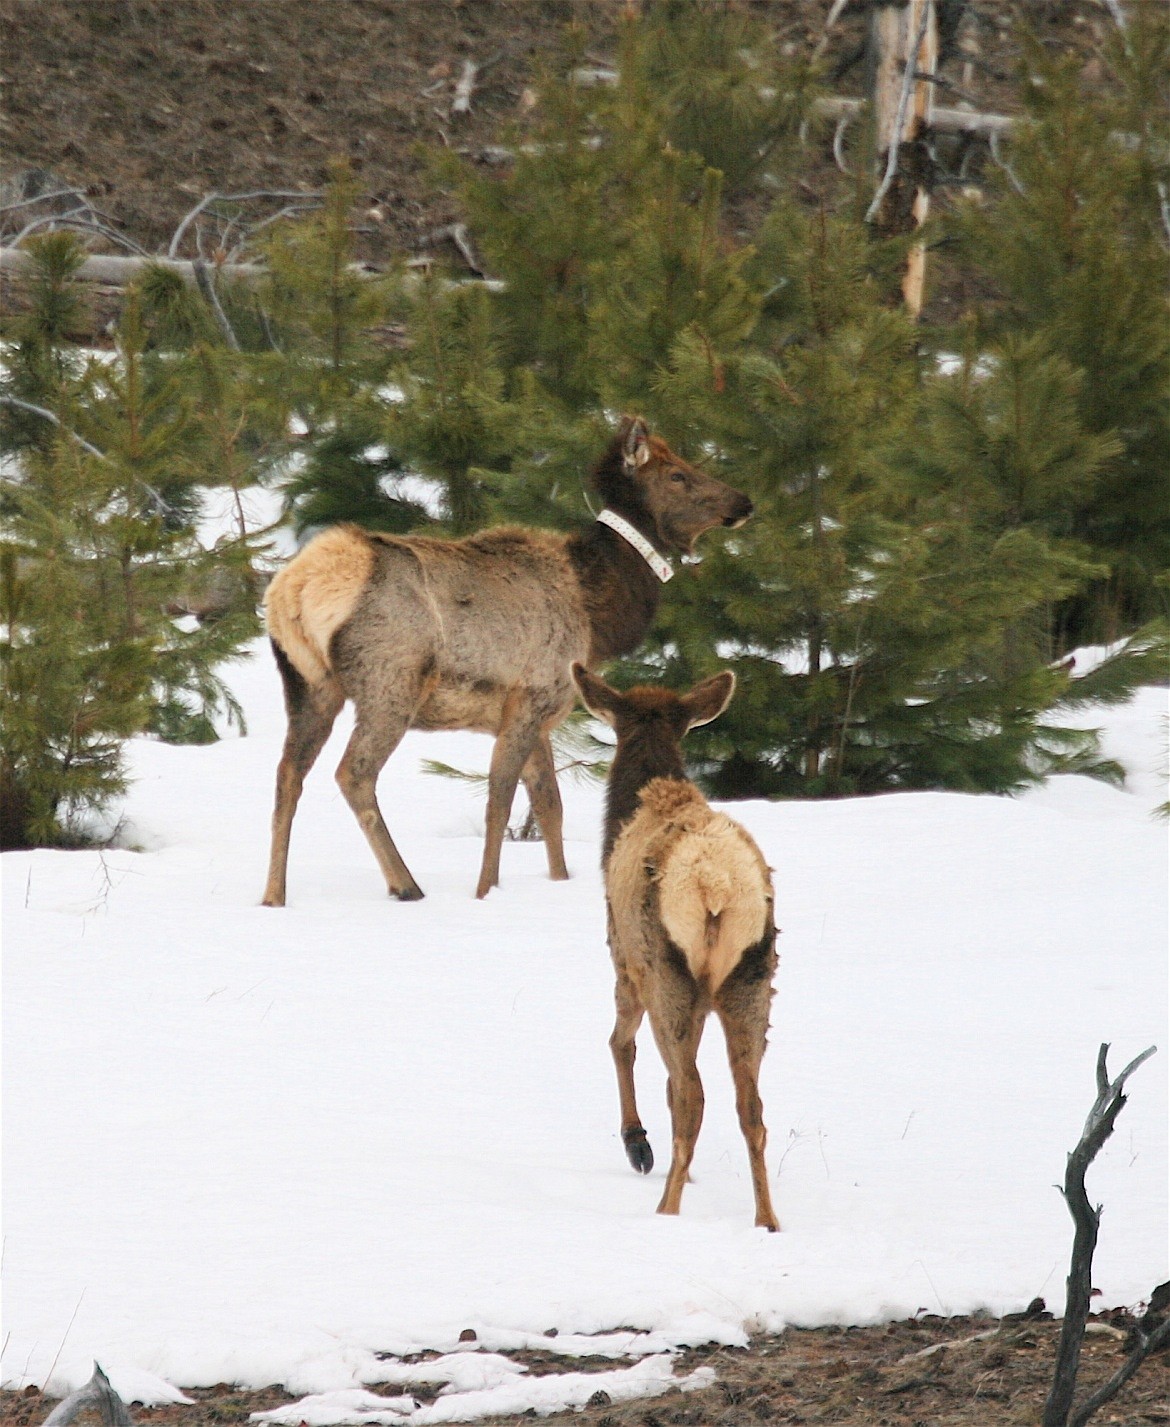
pixel 118 270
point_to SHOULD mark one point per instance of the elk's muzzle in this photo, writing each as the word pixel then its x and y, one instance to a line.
pixel 740 513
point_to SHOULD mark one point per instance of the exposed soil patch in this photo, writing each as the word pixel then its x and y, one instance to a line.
pixel 927 1372
pixel 148 105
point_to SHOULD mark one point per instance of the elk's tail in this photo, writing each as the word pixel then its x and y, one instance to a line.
pixel 714 899
pixel 313 596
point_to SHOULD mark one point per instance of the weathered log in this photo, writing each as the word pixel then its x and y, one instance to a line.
pixel 943 120
pixel 116 270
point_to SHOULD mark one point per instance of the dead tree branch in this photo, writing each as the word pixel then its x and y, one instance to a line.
pixel 47 415
pixel 470 76
pixel 1086 1219
pixel 79 219
pixel 835 12
pixel 261 195
pixel 211 297
pixel 949 121
pixel 457 233
pixel 98 1393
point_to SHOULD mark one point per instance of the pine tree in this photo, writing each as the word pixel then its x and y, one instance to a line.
pixel 328 380
pixel 99 544
pixel 1075 237
pixel 878 609
pixel 454 424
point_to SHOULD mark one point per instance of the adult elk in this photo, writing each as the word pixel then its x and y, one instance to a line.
pixel 691 929
pixel 476 633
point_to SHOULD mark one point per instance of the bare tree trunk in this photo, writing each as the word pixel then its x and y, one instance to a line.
pixel 903 46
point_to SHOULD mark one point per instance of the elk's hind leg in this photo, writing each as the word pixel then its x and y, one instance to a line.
pixel 678 1030
pixel 311 714
pixel 540 781
pixel 384 706
pixel 743 1011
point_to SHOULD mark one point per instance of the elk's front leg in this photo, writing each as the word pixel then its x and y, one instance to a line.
pixel 540 781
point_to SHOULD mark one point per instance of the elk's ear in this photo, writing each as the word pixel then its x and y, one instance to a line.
pixel 596 694
pixel 706 701
pixel 635 442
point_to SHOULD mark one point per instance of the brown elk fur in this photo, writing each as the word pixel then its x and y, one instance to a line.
pixel 476 633
pixel 690 911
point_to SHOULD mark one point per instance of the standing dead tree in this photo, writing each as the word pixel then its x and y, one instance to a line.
pixel 1058 1410
pixel 904 56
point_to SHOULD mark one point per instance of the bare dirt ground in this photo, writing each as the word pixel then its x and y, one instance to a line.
pixel 148 105
pixel 926 1372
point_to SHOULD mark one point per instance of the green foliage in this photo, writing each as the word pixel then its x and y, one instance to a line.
pixel 75 684
pixel 1075 239
pixel 724 91
pixel 577 754
pixel 886 608
pixel 454 421
pixel 99 555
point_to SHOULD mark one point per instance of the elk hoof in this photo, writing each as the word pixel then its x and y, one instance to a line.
pixel 409 894
pixel 638 1150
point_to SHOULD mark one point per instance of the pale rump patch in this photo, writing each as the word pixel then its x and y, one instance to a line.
pixel 314 595
pixel 714 889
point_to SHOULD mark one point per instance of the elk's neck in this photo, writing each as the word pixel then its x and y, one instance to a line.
pixel 650 751
pixel 619 590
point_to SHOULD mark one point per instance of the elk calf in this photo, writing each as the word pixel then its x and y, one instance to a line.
pixel 476 633
pixel 691 928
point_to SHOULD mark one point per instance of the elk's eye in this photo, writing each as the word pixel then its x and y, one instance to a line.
pixel 678 477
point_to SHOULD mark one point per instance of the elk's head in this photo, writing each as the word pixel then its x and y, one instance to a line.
pixel 647 707
pixel 672 501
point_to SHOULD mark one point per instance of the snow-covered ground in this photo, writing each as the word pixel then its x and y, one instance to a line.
pixel 265 1146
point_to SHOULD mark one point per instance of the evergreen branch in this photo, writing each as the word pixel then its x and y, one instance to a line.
pixel 1142 659
pixel 446 770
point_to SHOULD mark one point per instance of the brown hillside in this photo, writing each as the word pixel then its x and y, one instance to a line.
pixel 150 104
